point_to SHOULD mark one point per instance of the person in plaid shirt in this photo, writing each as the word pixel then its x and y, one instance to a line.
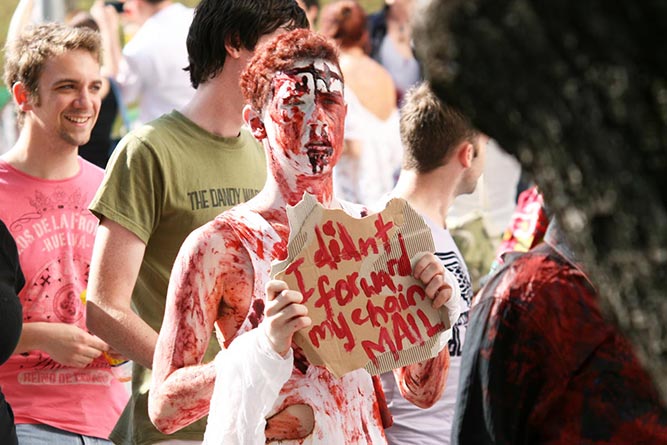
pixel 542 366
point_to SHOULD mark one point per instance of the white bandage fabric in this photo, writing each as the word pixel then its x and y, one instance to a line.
pixel 453 306
pixel 249 376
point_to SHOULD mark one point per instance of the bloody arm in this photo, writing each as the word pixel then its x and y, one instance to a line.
pixel 181 386
pixel 423 383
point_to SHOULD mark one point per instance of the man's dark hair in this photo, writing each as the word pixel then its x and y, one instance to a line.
pixel 311 3
pixel 238 22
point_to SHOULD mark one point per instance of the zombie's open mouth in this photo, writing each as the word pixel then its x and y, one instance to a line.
pixel 319 156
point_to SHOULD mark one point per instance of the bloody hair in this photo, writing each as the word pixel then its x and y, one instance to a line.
pixel 239 23
pixel 279 55
pixel 345 22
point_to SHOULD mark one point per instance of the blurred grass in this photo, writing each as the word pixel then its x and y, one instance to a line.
pixel 7 9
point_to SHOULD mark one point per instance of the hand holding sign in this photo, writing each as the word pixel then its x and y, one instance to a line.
pixel 283 316
pixel 430 271
pixel 358 281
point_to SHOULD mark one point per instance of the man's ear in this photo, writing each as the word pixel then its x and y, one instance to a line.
pixel 465 153
pixel 254 122
pixel 234 50
pixel 21 97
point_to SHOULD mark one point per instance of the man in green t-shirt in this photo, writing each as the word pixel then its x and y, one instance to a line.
pixel 169 177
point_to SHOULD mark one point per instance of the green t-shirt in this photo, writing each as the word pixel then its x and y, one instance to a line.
pixel 164 180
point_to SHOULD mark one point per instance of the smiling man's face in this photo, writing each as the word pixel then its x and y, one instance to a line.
pixel 68 101
pixel 304 119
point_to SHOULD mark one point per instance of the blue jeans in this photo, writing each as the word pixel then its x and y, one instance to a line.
pixel 38 434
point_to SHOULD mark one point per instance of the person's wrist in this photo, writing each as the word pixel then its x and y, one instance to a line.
pixel 270 345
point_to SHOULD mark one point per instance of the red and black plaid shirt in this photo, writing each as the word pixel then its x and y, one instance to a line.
pixel 541 365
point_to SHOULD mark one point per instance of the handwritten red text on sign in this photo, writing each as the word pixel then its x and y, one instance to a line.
pixel 389 294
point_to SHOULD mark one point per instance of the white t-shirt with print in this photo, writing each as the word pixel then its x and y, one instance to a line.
pixel 432 426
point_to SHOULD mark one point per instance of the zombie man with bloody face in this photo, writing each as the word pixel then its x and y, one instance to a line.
pixel 265 390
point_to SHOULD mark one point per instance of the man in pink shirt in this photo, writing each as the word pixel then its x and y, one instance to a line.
pixel 58 382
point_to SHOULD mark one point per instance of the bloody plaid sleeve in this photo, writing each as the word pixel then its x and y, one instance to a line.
pixel 541 366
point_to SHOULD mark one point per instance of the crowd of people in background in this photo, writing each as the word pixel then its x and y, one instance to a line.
pixel 147 164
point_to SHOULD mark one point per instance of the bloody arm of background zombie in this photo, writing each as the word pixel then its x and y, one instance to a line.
pixel 423 383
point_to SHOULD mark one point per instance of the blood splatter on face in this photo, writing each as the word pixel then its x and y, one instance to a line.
pixel 305 117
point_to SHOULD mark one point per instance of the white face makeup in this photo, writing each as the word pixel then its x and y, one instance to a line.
pixel 305 117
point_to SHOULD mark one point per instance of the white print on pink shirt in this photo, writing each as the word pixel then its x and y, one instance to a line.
pixel 59 220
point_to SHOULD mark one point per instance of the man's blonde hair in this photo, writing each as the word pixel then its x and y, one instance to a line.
pixel 26 55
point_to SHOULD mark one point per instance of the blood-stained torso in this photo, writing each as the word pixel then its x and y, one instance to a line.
pixel 345 410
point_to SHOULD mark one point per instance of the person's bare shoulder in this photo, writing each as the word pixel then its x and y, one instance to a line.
pixel 224 263
pixel 372 84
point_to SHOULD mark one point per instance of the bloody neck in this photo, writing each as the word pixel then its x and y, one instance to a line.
pixel 289 187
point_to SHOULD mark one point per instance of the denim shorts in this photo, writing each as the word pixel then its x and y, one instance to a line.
pixel 39 434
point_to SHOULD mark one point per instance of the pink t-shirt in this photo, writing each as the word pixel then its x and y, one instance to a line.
pixel 54 233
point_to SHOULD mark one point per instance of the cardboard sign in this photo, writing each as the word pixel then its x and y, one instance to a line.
pixel 356 278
